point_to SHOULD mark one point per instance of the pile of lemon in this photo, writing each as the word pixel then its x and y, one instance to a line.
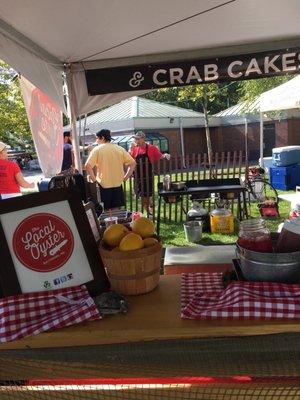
pixel 118 237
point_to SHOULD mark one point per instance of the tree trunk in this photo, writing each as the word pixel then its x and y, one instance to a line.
pixel 207 131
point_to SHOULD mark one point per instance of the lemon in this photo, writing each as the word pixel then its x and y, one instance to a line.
pixel 148 242
pixel 143 227
pixel 132 241
pixel 114 233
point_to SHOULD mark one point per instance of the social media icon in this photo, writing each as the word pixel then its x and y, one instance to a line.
pixel 47 285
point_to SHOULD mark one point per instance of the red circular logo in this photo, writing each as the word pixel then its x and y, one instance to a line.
pixel 43 242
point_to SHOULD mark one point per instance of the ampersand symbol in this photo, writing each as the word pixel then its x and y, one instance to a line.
pixel 136 80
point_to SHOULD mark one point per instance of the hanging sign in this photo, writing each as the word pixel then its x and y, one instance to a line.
pixel 46 125
pixel 182 73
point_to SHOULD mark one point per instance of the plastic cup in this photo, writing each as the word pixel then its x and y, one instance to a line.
pixel 110 220
pixel 136 215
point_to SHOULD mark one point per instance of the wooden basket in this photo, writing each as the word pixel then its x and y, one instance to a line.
pixel 132 272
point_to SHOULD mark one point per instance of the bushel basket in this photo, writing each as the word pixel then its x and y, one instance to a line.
pixel 132 272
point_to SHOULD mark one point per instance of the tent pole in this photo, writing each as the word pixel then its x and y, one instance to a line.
pixel 84 129
pixel 80 134
pixel 261 139
pixel 246 150
pixel 72 117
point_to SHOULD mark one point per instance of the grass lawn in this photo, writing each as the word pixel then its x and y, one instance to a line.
pixel 173 233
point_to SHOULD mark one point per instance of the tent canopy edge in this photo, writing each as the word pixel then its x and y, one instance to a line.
pixel 212 52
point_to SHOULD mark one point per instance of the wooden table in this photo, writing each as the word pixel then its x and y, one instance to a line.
pixel 154 316
pixel 153 341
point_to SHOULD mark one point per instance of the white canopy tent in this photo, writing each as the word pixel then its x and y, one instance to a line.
pixel 283 97
pixel 44 40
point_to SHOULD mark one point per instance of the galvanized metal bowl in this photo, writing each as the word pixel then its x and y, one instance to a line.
pixel 269 267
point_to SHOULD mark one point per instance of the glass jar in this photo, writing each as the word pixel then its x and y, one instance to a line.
pixel 255 236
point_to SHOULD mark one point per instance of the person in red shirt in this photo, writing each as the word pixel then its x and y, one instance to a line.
pixel 11 177
pixel 145 155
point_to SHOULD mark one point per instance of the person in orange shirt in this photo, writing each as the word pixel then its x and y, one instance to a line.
pixel 11 177
pixel 145 155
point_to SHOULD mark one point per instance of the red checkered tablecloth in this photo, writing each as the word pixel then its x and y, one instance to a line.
pixel 32 313
pixel 204 297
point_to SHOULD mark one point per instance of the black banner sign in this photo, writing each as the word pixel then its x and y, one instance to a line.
pixel 182 73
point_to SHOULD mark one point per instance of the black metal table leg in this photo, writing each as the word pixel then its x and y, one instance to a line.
pixel 239 209
pixel 158 215
pixel 245 204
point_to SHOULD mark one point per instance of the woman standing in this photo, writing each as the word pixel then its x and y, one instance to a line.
pixel 11 177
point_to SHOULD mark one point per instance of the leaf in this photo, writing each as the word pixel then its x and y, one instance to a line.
pixel 14 127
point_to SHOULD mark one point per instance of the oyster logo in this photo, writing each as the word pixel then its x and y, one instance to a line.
pixel 43 242
pixel 136 80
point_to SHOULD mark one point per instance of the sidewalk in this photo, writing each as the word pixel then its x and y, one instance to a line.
pixel 32 176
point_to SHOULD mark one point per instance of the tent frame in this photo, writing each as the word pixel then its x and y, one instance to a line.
pixel 45 70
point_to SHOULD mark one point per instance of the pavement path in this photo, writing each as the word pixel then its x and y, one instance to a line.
pixel 32 176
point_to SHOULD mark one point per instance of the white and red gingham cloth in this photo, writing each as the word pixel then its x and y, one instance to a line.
pixel 32 313
pixel 204 297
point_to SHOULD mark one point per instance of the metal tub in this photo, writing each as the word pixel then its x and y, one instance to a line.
pixel 269 267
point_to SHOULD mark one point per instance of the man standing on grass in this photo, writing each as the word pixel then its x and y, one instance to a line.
pixel 110 161
pixel 145 155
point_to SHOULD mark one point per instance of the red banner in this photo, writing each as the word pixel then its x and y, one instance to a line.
pixel 46 124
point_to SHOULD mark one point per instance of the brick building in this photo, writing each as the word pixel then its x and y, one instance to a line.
pixel 179 125
pixel 227 131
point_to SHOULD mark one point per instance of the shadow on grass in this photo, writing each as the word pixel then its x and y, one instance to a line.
pixel 214 241
pixel 173 235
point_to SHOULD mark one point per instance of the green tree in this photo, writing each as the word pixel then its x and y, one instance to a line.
pixel 224 96
pixel 251 89
pixel 213 98
pixel 207 99
pixel 167 95
pixel 14 127
pixel 202 95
